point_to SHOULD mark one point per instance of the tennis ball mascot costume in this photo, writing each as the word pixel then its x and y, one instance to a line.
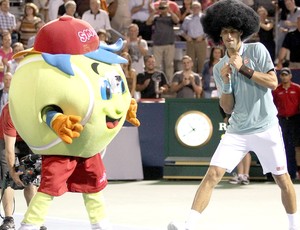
pixel 68 99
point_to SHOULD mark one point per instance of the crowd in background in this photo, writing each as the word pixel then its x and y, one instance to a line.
pixel 151 27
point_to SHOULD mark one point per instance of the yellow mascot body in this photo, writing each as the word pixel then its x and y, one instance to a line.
pixel 68 100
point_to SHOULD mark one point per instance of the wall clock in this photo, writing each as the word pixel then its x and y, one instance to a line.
pixel 193 128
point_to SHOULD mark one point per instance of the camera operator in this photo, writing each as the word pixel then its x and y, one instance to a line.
pixel 12 139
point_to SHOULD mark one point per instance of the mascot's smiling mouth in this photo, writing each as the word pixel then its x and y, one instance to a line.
pixel 111 122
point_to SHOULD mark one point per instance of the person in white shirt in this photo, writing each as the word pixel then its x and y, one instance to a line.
pixel 137 47
pixel 96 17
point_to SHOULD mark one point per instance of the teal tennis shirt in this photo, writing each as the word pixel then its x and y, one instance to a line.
pixel 254 110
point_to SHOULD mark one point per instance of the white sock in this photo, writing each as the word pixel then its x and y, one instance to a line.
pixel 293 221
pixel 29 227
pixel 102 225
pixel 192 220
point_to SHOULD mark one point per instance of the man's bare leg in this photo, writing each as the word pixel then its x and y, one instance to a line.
pixel 212 177
pixel 288 198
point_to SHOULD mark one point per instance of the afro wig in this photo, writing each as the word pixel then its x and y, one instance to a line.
pixel 229 13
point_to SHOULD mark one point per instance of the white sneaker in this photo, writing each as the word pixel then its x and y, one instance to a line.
pixel 245 180
pixel 235 179
pixel 176 226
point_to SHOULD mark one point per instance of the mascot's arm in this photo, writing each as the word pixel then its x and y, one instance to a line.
pixel 66 127
pixel 131 113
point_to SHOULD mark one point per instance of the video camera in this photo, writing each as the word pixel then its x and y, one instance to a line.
pixel 30 166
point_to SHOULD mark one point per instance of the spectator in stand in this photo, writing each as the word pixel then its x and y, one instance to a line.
pixel 96 17
pixel 102 36
pixel 266 31
pixel 290 23
pixel 137 47
pixel 121 18
pixel 61 9
pixel 186 83
pixel 129 72
pixel 140 12
pixel 42 5
pixel 6 53
pixel 13 63
pixel 70 7
pixel 163 37
pixel 53 6
pixel 173 6
pixel 83 5
pixel 37 26
pixel 208 81
pixel 269 5
pixel 287 100
pixel 206 3
pixel 185 9
pixel 7 20
pixel 291 43
pixel 26 24
pixel 282 8
pixel 151 83
pixel 196 44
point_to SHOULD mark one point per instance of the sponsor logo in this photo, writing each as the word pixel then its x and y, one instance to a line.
pixel 246 60
pixel 103 178
pixel 86 34
pixel 280 168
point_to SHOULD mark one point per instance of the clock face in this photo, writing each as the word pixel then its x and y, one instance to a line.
pixel 193 129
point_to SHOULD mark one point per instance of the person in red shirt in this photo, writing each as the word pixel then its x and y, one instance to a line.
pixel 287 100
pixel 11 138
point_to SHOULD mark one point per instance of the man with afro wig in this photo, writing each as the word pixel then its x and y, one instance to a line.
pixel 245 77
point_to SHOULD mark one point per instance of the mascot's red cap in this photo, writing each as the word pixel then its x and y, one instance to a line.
pixel 65 35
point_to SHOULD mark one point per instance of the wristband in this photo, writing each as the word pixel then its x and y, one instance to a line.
pixel 227 89
pixel 246 71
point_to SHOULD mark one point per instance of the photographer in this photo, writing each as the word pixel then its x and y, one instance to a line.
pixel 12 139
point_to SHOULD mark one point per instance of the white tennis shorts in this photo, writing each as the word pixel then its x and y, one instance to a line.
pixel 268 146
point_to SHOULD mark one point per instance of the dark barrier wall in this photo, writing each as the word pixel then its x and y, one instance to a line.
pixel 151 133
pixel 174 109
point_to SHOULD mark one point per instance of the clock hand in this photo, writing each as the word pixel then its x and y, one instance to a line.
pixel 192 130
pixel 191 126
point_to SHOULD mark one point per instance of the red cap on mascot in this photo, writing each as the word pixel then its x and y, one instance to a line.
pixel 65 35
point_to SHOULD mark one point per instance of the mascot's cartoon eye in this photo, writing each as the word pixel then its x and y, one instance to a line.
pixel 117 84
pixel 105 90
pixel 122 85
pixel 112 83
